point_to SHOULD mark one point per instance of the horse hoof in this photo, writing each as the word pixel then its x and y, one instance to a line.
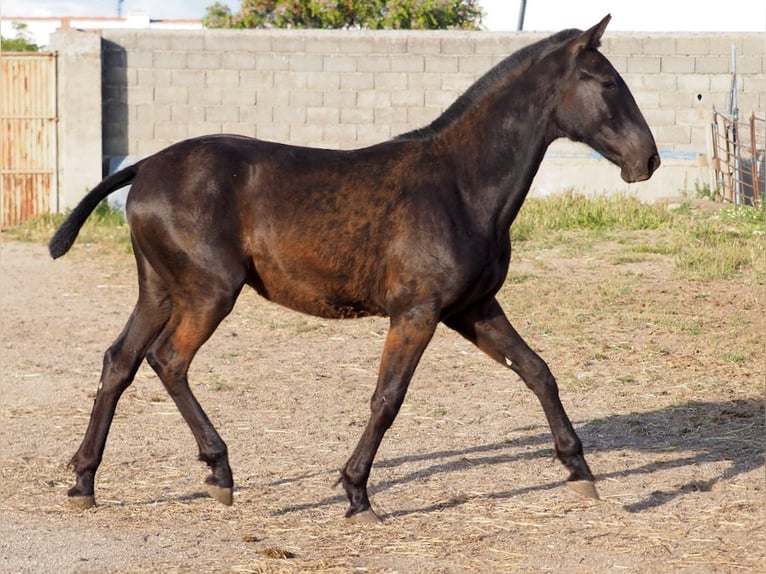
pixel 584 488
pixel 82 502
pixel 223 495
pixel 365 517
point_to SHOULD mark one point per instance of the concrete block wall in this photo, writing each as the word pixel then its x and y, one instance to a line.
pixel 346 89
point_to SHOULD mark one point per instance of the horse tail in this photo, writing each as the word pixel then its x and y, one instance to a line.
pixel 65 235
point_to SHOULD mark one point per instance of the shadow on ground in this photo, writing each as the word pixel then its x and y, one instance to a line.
pixel 689 434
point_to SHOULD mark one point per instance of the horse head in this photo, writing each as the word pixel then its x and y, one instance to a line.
pixel 596 107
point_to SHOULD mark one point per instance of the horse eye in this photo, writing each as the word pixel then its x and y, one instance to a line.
pixel 608 84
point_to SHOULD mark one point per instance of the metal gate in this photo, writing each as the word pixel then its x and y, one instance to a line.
pixel 28 168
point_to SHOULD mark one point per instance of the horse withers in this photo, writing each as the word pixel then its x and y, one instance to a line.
pixel 416 228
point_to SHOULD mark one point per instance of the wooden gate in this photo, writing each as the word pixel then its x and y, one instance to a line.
pixel 28 118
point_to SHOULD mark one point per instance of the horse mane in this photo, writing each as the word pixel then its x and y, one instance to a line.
pixel 514 64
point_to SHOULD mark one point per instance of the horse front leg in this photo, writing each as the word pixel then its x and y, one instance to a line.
pixel 408 337
pixel 487 327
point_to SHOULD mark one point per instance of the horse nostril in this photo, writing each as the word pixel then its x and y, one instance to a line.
pixel 654 163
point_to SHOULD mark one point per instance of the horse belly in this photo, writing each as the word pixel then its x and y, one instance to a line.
pixel 328 297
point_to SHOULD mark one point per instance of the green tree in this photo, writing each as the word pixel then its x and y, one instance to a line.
pixel 21 43
pixel 368 14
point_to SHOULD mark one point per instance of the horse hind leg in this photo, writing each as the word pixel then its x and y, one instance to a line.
pixel 121 361
pixel 192 322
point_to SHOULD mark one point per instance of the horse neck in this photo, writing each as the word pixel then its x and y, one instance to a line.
pixel 498 147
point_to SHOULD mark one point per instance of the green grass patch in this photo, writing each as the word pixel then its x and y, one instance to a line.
pixel 539 218
pixel 702 244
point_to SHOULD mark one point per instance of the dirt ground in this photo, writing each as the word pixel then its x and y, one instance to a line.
pixel 662 377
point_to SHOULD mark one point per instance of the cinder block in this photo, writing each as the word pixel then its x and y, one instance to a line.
pixel 184 41
pixel 256 79
pixel 222 113
pixel 493 44
pixel 139 59
pixel 255 115
pixel 204 95
pixel 238 60
pixel 172 60
pixel 288 41
pixel 357 81
pixel 340 98
pixel 226 79
pixel 408 99
pixel 305 63
pixel 458 43
pixel 678 64
pixel 693 83
pixel 750 65
pixel 375 64
pixel 306 134
pixel 370 134
pixel 171 95
pixel 388 115
pixel 187 113
pixel 152 113
pixel 356 116
pixel 185 77
pixel 273 132
pixel 424 43
pixel 173 131
pixel 407 63
pixel 323 81
pixel 357 43
pixel 673 134
pixel 441 64
pixel 322 115
pixel 390 43
pixel 440 99
pixel 644 64
pixel 271 96
pixel 376 98
pixel 456 84
pixel 238 96
pixel 305 98
pixel 242 41
pixel 474 65
pixel 339 62
pixel 659 45
pixel 391 81
pixel 290 80
pixel 156 77
pixel 272 61
pixel 323 42
pixel 424 81
pixel 285 114
pixel 712 64
pixel 150 40
pixel 341 136
pixel 656 82
pixel 692 45
pixel 203 61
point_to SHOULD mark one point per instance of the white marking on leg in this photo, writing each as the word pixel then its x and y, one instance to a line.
pixel 508 362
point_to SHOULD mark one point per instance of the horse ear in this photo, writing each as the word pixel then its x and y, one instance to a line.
pixel 590 39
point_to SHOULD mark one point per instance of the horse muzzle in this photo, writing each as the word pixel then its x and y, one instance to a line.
pixel 642 171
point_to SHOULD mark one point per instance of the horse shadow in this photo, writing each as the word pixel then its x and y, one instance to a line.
pixel 688 434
